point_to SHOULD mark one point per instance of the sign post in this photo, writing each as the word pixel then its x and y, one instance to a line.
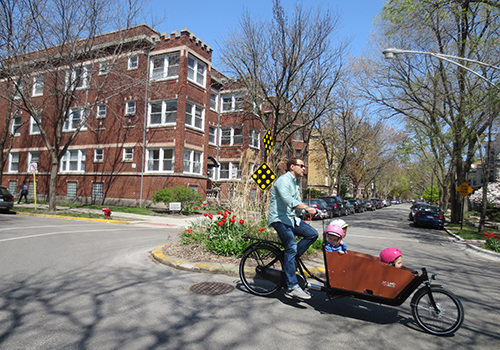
pixel 464 189
pixel 34 169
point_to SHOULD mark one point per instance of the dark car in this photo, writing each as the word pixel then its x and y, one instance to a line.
pixel 323 211
pixel 414 208
pixel 6 199
pixel 356 203
pixel 349 208
pixel 429 215
pixel 335 204
pixel 378 203
pixel 369 205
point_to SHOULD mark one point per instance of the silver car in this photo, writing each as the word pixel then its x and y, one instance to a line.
pixel 6 199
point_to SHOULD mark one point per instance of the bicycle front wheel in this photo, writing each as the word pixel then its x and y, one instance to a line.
pixel 446 318
pixel 253 266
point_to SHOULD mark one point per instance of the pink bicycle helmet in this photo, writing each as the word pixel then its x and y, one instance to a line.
pixel 390 254
pixel 335 229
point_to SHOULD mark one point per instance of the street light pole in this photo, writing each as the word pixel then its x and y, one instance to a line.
pixel 390 53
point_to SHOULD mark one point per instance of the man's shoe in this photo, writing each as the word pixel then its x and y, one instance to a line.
pixel 297 292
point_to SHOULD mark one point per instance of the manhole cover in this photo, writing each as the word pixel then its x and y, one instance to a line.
pixel 211 288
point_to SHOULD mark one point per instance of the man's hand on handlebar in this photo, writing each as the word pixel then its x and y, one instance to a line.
pixel 311 210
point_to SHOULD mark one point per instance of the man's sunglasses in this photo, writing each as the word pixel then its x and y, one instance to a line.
pixel 300 165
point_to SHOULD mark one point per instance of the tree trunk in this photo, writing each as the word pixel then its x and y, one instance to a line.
pixel 53 183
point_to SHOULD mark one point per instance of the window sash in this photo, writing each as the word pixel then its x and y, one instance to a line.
pixel 230 171
pixel 130 108
pixel 133 62
pixel 33 157
pixel 194 115
pixel 162 113
pixel 73 161
pixel 34 128
pixel 254 138
pixel 166 66
pixel 16 125
pixel 101 110
pixel 160 160
pixel 74 119
pixel 212 135
pixel 13 162
pixel 192 161
pixel 128 154
pixel 196 70
pixel 38 83
pixel 98 154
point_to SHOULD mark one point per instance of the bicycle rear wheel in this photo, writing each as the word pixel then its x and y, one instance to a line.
pixel 445 319
pixel 254 264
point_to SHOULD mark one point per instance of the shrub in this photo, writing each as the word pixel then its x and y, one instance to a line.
pixel 190 200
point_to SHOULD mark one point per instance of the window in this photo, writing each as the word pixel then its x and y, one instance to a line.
pixel 166 66
pixel 231 103
pixel 80 78
pixel 18 89
pixel 98 154
pixel 97 191
pixel 77 117
pixel 212 134
pixel 130 108
pixel 13 187
pixel 194 115
pixel 298 135
pixel 71 190
pixel 34 128
pixel 128 154
pixel 101 111
pixel 16 125
pixel 254 138
pixel 133 62
pixel 103 67
pixel 162 113
pixel 33 157
pixel 231 136
pixel 38 83
pixel 298 153
pixel 196 70
pixel 230 170
pixel 73 161
pixel 192 161
pixel 31 189
pixel 213 101
pixel 160 159
pixel 13 162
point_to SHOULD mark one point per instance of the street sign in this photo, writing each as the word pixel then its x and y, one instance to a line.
pixel 33 167
pixel 174 206
pixel 268 141
pixel 465 189
pixel 264 176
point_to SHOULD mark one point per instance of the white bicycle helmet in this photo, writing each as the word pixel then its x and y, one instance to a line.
pixel 339 222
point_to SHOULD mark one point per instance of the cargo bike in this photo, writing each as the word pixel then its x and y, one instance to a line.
pixel 356 275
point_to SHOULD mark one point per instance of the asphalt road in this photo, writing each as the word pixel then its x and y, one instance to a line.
pixel 69 284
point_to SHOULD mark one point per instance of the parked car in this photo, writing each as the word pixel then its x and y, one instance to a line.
pixel 429 216
pixel 416 207
pixel 320 205
pixel 335 204
pixel 377 202
pixel 349 208
pixel 6 199
pixel 358 207
pixel 369 205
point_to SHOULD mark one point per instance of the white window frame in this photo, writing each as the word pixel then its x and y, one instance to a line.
pixel 133 61
pixel 69 123
pixel 99 155
pixel 161 159
pixel 33 157
pixel 104 68
pixel 73 157
pixel 195 115
pixel 130 107
pixel 165 66
pixel 164 113
pixel 13 162
pixel 232 137
pixel 38 84
pixel 101 110
pixel 193 161
pixel 16 123
pixel 233 102
pixel 254 138
pixel 212 135
pixel 233 170
pixel 76 72
pixel 214 100
pixel 197 70
pixel 34 128
pixel 18 89
pixel 128 154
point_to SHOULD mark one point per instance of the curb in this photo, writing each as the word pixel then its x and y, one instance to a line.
pixel 472 246
pixel 74 218
pixel 157 254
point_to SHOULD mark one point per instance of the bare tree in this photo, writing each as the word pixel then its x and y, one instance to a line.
pixel 64 52
pixel 289 68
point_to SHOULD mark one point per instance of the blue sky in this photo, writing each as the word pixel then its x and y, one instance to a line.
pixel 209 19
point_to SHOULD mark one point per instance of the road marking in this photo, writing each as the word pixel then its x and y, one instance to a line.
pixel 55 233
pixel 27 227
pixel 379 237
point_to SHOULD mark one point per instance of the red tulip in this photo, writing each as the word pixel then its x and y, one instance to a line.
pixel 242 221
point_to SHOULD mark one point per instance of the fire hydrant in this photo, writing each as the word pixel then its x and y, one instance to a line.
pixel 107 212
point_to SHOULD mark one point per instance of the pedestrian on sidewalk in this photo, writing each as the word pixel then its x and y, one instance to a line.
pixel 24 192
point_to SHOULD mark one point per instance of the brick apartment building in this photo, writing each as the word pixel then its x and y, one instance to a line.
pixel 164 117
